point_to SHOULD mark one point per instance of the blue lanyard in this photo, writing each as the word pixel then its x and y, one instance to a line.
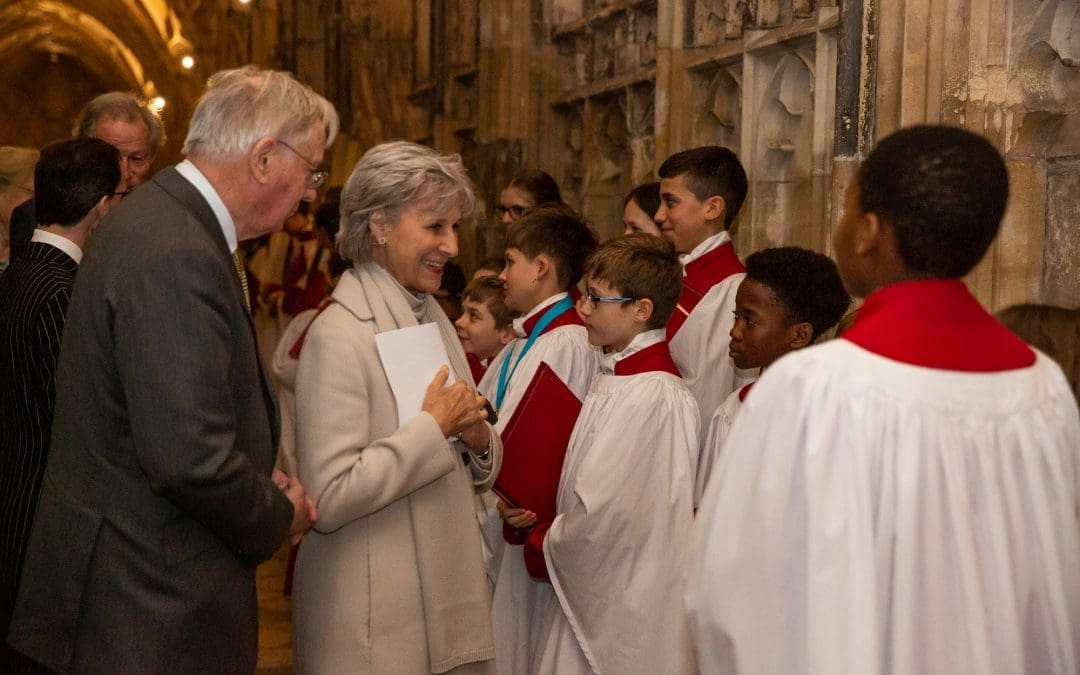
pixel 506 372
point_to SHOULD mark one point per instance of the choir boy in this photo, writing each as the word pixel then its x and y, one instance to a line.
pixel 484 326
pixel 614 552
pixel 790 296
pixel 545 254
pixel 902 499
pixel 701 192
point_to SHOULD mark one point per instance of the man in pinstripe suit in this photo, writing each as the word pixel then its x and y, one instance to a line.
pixel 75 181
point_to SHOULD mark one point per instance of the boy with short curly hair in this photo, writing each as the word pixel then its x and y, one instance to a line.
pixel 790 296
pixel 902 499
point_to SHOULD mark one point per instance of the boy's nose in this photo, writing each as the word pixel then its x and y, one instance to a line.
pixel 582 306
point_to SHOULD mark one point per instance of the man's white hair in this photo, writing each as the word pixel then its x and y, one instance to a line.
pixel 242 105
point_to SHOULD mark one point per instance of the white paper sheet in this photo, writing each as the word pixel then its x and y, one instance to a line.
pixel 411 357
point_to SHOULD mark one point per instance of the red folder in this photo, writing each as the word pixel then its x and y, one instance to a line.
pixel 534 444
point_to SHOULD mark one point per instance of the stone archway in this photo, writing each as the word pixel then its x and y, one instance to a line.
pixel 57 54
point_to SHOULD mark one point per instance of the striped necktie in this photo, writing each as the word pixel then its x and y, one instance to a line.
pixel 238 263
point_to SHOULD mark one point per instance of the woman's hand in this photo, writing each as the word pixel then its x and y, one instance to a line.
pixel 455 408
pixel 476 437
pixel 518 518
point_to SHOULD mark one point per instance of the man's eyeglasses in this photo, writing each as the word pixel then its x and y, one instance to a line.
pixel 316 178
pixel 594 300
pixel 514 211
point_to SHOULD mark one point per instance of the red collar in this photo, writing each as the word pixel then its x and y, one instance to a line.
pixel 712 268
pixel 744 391
pixel 568 318
pixel 936 323
pixel 476 366
pixel 652 358
pixel 701 275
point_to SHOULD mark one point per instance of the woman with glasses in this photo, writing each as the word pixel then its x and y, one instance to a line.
pixel 16 187
pixel 527 190
pixel 391 579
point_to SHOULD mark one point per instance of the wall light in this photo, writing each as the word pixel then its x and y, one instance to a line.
pixel 188 62
pixel 157 103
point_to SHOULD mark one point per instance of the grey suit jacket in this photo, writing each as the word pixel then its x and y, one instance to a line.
pixel 156 503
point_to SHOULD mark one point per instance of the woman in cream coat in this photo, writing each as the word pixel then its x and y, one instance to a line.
pixel 391 580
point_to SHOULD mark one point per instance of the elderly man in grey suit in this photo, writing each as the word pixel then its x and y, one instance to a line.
pixel 158 500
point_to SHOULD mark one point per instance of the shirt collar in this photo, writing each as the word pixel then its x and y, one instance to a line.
pixel 199 181
pixel 641 341
pixel 62 243
pixel 715 241
pixel 519 323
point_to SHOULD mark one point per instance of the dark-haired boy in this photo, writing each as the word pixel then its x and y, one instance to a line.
pixel 626 484
pixel 701 192
pixel 902 499
pixel 545 254
pixel 790 296
pixel 76 184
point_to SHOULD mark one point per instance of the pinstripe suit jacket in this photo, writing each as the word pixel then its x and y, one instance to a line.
pixel 157 502
pixel 34 294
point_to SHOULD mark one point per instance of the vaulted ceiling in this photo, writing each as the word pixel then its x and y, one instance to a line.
pixel 57 54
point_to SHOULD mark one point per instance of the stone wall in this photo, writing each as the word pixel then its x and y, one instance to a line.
pixel 598 92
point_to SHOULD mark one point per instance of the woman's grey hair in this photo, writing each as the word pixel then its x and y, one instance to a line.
pixel 390 179
pixel 119 105
pixel 242 105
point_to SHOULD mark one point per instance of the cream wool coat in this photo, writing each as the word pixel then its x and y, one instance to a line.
pixel 358 605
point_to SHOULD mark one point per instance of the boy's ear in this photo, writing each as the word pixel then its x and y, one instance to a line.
pixel 544 266
pixel 800 334
pixel 869 233
pixel 508 335
pixel 714 208
pixel 643 310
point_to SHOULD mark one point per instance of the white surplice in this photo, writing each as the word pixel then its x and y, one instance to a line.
pixel 869 516
pixel 518 600
pixel 616 547
pixel 700 347
pixel 718 429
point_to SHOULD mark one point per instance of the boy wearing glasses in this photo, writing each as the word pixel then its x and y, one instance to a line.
pixel 701 192
pixel 614 551
pixel 545 253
